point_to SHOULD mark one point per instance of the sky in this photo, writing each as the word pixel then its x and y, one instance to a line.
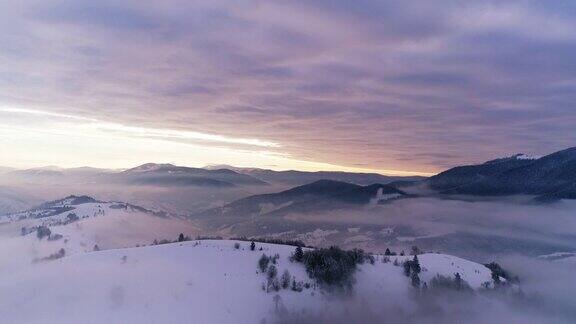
pixel 397 87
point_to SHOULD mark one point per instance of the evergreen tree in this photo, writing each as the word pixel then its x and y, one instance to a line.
pixel 294 287
pixel 298 254
pixel 416 264
pixel 387 252
pixel 415 280
pixel 263 263
pixel 458 281
pixel 495 278
pixel 181 237
pixel 252 246
pixel 272 272
pixel 285 280
pixel 407 267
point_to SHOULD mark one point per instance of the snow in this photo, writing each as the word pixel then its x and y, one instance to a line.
pixel 432 264
pixel 99 224
pixel 526 157
pixel 196 281
pixel 381 197
pixel 202 281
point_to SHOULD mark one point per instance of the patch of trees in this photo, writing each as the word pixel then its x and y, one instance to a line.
pixel 272 241
pixel 498 272
pixel 268 266
pixel 412 269
pixel 183 238
pixel 263 263
pixel 389 253
pixel 440 282
pixel 54 256
pixel 42 232
pixel 333 267
pixel 298 255
pixel 203 238
pixel 71 217
pixel 180 238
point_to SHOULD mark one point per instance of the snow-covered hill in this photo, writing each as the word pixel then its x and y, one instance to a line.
pixel 69 209
pixel 78 224
pixel 196 281
pixel 98 266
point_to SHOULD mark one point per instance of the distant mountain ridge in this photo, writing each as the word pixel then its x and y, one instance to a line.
pixel 321 195
pixel 169 174
pixel 549 177
pixel 146 174
pixel 295 178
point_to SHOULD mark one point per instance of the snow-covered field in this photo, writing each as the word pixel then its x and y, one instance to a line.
pixel 208 281
pixel 196 281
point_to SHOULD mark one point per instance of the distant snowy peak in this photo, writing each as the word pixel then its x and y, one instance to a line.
pixel 516 157
pixel 522 156
pixel 151 167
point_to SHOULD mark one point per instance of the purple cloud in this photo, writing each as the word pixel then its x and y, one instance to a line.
pixel 383 84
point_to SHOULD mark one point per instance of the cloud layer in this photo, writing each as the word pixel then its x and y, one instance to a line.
pixel 416 86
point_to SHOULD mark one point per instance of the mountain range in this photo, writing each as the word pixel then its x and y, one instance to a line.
pixel 549 177
pixel 321 195
pixel 172 175
pixel 297 178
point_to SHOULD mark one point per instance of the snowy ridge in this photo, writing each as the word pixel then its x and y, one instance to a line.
pixel 202 281
pixel 73 207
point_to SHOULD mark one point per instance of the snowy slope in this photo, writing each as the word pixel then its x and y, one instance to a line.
pixel 130 281
pixel 106 224
pixel 196 281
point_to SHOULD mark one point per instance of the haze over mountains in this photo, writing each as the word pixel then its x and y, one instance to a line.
pixel 218 202
pixel 188 190
pixel 215 176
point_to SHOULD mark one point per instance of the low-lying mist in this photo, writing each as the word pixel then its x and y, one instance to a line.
pixel 508 231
